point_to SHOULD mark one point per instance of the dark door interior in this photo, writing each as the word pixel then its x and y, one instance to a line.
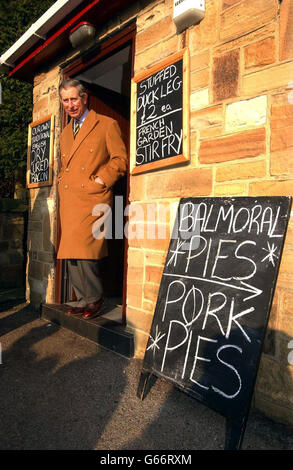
pixel 108 83
pixel 107 77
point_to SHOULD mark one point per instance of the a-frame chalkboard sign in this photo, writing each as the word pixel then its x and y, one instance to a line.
pixel 214 302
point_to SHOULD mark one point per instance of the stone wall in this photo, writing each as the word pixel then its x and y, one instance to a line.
pixel 241 128
pixel 43 204
pixel 13 222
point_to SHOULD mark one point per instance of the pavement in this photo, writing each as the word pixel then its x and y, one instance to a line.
pixel 60 391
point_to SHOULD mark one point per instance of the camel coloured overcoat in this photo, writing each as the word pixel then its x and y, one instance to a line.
pixel 97 150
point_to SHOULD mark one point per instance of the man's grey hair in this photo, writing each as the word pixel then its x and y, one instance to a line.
pixel 71 82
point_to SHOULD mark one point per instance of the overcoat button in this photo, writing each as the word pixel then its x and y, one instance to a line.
pixel 82 168
pixel 91 150
pixel 82 185
pixel 67 169
pixel 66 186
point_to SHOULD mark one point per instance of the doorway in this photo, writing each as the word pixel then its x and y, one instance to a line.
pixel 107 78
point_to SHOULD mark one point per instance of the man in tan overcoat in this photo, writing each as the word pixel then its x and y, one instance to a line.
pixel 93 158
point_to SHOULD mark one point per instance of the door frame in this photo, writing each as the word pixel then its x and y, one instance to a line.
pixel 85 60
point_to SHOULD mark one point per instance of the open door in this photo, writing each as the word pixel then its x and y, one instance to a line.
pixel 111 103
pixel 107 78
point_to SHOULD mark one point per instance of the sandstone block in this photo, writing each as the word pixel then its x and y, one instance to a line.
pixel 205 34
pixel 199 61
pixel 245 16
pixel 141 212
pixel 47 233
pixel 267 79
pixel 134 295
pixel 135 257
pixel 137 187
pixel 45 257
pixel 35 226
pixel 149 16
pixel 233 147
pixel 34 241
pixel 155 258
pixel 235 189
pixel 274 390
pixel 268 30
pixel 282 138
pixel 286 323
pixel 228 3
pixel 207 118
pixel 13 231
pixel 153 34
pixel 246 113
pixel 194 182
pixel 135 274
pixel 153 274
pixel 199 79
pixel 281 135
pixel 140 340
pixel 36 270
pixel 271 188
pixel 289 234
pixel 244 171
pixel 156 53
pixel 260 53
pixel 148 307
pixel 139 320
pixel 286 27
pixel 141 241
pixel 150 291
pixel 286 266
pixel 41 107
pixel 226 76
pixel 199 99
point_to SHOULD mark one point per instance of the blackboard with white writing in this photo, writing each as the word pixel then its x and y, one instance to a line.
pixel 215 297
pixel 40 146
pixel 160 130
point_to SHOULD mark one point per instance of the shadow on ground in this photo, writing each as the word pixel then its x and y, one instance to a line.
pixel 61 391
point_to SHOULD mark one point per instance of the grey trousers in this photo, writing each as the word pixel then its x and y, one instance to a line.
pixel 84 275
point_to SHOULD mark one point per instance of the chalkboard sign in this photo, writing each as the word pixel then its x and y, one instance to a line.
pixel 40 152
pixel 160 115
pixel 214 300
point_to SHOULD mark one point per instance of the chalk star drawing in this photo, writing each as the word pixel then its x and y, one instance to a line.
pixel 271 253
pixel 155 341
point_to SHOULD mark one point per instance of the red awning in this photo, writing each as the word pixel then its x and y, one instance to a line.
pixel 57 43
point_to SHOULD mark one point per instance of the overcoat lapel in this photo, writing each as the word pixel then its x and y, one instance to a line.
pixel 89 123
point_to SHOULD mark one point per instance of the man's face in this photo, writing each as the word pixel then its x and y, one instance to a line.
pixel 74 105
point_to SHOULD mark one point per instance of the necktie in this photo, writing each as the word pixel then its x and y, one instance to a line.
pixel 75 127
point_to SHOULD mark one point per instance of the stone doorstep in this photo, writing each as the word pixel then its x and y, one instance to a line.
pixel 104 331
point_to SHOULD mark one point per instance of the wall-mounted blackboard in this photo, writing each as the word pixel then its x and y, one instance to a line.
pixel 40 152
pixel 214 300
pixel 160 115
